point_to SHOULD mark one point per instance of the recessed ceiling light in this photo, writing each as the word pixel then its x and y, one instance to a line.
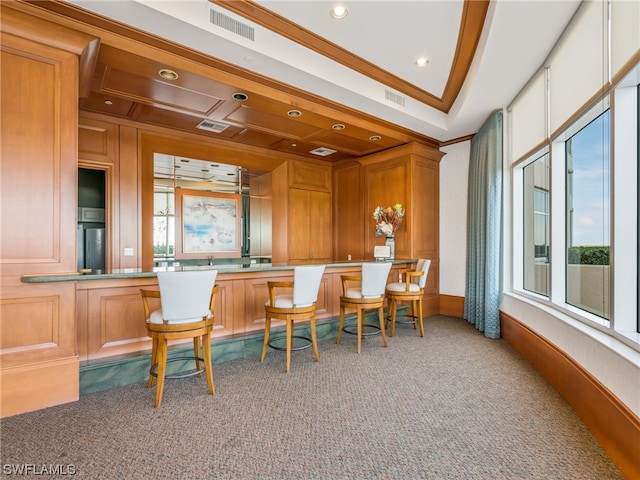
pixel 108 102
pixel 339 12
pixel 375 138
pixel 422 62
pixel 294 113
pixel 168 74
pixel 240 96
pixel 338 126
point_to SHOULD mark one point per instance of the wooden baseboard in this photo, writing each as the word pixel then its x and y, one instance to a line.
pixel 452 305
pixel 39 385
pixel 615 427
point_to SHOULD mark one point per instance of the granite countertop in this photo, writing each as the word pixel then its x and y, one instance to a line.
pixel 139 273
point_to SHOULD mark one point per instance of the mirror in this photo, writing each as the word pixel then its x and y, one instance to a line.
pixel 254 188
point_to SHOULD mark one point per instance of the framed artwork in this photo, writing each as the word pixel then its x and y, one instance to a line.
pixel 207 224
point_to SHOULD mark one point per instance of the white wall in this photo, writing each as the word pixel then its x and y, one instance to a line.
pixel 454 173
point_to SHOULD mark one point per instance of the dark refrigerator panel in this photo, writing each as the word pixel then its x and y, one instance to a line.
pixel 91 247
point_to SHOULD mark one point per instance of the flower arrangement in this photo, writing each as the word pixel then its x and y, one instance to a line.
pixel 388 219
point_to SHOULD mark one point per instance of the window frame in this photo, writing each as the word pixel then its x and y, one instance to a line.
pixel 623 101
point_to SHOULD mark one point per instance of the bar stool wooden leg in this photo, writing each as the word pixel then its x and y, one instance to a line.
pixel 393 317
pixel 419 316
pixel 314 339
pixel 360 320
pixel 289 342
pixel 208 366
pixel 197 353
pixel 161 370
pixel 154 360
pixel 265 344
pixel 381 318
pixel 340 325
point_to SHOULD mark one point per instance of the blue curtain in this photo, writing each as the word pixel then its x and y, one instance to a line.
pixel 483 291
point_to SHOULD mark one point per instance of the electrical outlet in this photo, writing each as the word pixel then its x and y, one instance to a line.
pixel 128 252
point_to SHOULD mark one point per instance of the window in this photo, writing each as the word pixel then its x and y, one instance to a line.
pixel 536 225
pixel 587 217
pixel 163 225
pixel 576 217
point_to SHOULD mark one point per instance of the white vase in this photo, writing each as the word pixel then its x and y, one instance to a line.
pixel 391 243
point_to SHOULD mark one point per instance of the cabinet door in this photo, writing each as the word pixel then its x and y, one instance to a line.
pixel 320 225
pixel 309 225
pixel 299 222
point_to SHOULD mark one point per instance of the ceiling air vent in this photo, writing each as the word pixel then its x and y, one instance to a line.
pixel 231 24
pixel 323 151
pixel 394 97
pixel 211 126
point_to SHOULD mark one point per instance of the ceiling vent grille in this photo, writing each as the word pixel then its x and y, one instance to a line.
pixel 394 97
pixel 231 24
pixel 212 126
pixel 323 151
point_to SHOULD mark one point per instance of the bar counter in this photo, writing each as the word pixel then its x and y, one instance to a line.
pixel 110 337
pixel 133 273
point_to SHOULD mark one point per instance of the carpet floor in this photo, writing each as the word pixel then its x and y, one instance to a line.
pixel 452 405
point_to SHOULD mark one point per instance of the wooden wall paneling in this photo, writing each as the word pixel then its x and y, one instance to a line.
pixel 280 218
pixel 40 365
pixel 82 326
pixel 229 295
pixel 33 71
pixel 116 323
pixel 145 207
pixel 324 302
pixel 309 176
pixel 97 140
pixel 388 183
pixel 425 207
pixel 349 217
pixel 256 294
pixel 128 231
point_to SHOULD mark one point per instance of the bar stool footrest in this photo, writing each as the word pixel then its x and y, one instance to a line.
pixel 153 371
pixel 375 328
pixel 304 346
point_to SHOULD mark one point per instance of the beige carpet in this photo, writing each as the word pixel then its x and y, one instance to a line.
pixel 452 405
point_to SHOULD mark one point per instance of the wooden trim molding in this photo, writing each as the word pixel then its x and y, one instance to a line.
pixel 615 427
pixel 474 13
pixel 452 305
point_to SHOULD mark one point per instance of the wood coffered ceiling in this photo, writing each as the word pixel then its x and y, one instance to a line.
pixel 125 83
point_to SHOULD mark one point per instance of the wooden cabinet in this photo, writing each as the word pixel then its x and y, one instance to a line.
pixel 302 226
pixel 309 226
